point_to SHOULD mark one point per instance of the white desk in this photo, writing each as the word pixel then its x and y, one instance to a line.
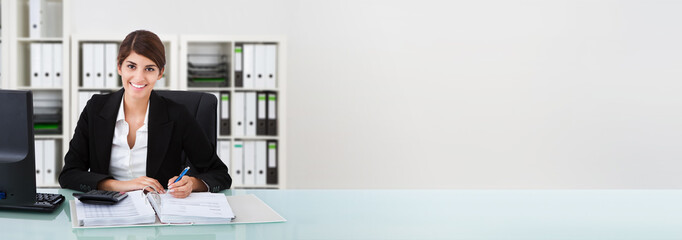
pixel 409 214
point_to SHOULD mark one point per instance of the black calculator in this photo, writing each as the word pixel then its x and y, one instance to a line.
pixel 101 197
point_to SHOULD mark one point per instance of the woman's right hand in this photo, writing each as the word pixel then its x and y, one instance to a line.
pixel 131 185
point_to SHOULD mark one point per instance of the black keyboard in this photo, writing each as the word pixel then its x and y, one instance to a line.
pixel 45 202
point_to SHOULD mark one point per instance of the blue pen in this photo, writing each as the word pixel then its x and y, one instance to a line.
pixel 181 174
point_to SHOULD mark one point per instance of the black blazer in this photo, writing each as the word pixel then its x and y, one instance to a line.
pixel 172 129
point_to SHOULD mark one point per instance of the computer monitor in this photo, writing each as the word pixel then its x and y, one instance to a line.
pixel 17 153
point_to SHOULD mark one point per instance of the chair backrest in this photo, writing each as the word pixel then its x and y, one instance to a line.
pixel 203 106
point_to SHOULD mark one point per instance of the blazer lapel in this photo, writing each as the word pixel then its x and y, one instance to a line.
pixel 103 129
pixel 160 132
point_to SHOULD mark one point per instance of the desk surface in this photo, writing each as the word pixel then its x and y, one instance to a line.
pixel 408 214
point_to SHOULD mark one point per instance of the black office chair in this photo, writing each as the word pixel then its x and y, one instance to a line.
pixel 203 106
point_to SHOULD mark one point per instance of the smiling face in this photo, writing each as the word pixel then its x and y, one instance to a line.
pixel 138 75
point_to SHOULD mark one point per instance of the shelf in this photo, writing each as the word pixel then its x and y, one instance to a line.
pixel 251 138
pixel 209 89
pixel 256 90
pixel 217 44
pixel 99 89
pixel 48 136
pixel 40 40
pixel 52 19
pixel 77 41
pixel 226 89
pixel 39 88
pixel 177 52
pixel 16 61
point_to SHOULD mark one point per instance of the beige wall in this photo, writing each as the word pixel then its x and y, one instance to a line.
pixel 458 94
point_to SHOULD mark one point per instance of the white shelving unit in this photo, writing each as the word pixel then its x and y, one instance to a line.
pixel 16 61
pixel 192 44
pixel 15 71
pixel 171 73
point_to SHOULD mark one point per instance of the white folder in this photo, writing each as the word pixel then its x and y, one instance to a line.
pixel 46 65
pixel 239 118
pixel 250 113
pixel 87 65
pixel 238 164
pixel 52 18
pixel 271 66
pixel 40 159
pixel 36 63
pixel 224 152
pixel 248 71
pixel 98 64
pixel 261 119
pixel 36 12
pixel 261 161
pixel 259 66
pixel 272 114
pixel 249 163
pixel 110 65
pixel 50 162
pixel 57 65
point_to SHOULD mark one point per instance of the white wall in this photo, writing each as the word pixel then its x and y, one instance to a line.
pixel 458 94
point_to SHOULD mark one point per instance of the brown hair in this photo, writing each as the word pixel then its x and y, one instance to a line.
pixel 145 43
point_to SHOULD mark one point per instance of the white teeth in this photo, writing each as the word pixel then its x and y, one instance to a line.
pixel 138 86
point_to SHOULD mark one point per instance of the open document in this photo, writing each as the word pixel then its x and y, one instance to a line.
pixel 197 208
pixel 130 211
pixel 152 209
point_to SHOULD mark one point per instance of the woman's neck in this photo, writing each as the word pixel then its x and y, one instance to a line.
pixel 134 106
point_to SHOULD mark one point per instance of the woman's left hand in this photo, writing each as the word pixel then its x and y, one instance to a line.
pixel 182 188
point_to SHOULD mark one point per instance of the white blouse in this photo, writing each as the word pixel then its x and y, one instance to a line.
pixel 126 163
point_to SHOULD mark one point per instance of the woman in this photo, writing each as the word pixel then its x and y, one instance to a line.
pixel 132 139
